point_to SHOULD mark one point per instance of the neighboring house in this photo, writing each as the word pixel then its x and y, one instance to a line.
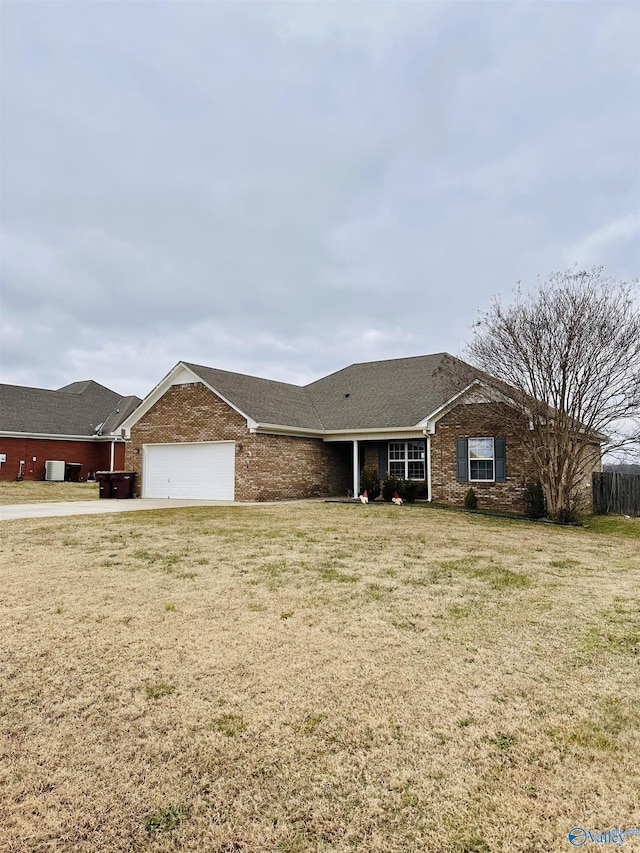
pixel 78 425
pixel 212 434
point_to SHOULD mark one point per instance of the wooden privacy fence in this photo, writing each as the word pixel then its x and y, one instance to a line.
pixel 616 493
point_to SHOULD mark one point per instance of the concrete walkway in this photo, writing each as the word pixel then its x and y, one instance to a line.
pixel 98 507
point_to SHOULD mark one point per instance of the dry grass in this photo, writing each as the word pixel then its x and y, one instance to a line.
pixel 38 491
pixel 315 678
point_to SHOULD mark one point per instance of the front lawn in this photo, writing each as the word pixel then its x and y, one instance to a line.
pixel 316 677
pixel 41 491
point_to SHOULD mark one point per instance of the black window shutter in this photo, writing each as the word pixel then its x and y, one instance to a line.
pixel 383 459
pixel 462 453
pixel 500 446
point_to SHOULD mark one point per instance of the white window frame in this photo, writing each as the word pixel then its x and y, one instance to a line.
pixel 406 460
pixel 491 459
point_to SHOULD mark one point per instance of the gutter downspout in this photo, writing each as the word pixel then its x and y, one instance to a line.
pixel 428 437
pixel 356 469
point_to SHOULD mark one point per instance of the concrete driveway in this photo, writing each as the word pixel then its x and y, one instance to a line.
pixel 97 507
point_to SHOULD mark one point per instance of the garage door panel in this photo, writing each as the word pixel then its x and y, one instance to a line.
pixel 197 471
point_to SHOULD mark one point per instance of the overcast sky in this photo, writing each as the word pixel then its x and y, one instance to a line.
pixel 285 188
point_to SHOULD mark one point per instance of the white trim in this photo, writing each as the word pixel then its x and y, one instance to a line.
pixel 356 469
pixel 406 459
pixel 428 460
pixel 178 375
pixel 492 459
pixel 281 429
pixel 37 436
pixel 483 394
pixel 390 434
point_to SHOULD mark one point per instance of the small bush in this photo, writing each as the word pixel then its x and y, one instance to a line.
pixel 567 515
pixel 573 510
pixel 471 500
pixel 535 503
pixel 370 482
pixel 390 485
pixel 408 491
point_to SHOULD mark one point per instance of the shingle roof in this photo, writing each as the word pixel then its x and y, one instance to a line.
pixel 371 395
pixel 397 392
pixel 263 400
pixel 77 409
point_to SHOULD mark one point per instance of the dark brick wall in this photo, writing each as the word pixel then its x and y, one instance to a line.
pixel 93 455
pixel 268 467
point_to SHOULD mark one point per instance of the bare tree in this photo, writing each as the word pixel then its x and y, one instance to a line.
pixel 570 353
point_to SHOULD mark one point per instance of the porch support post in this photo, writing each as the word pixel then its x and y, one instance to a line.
pixel 356 469
pixel 428 468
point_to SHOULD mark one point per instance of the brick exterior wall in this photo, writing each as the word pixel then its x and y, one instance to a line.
pixel 268 467
pixel 477 420
pixel 93 455
pixel 278 467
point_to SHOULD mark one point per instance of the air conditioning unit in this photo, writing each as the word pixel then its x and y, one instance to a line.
pixel 54 471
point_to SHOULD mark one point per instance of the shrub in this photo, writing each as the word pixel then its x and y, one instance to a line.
pixel 535 503
pixel 408 491
pixel 566 515
pixel 575 507
pixel 471 500
pixel 390 485
pixel 370 482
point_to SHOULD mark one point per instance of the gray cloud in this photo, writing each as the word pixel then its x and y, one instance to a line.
pixel 286 188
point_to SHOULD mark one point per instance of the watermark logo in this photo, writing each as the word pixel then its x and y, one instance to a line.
pixel 578 836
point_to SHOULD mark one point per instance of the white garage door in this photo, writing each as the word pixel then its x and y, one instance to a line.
pixel 200 471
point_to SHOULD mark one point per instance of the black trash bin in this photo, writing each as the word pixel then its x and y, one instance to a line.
pixel 72 472
pixel 122 483
pixel 104 482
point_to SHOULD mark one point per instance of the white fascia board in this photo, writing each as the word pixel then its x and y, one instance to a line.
pixel 282 429
pixel 430 421
pixel 341 435
pixel 153 396
pixel 486 394
pixel 372 434
pixel 178 375
pixel 57 436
